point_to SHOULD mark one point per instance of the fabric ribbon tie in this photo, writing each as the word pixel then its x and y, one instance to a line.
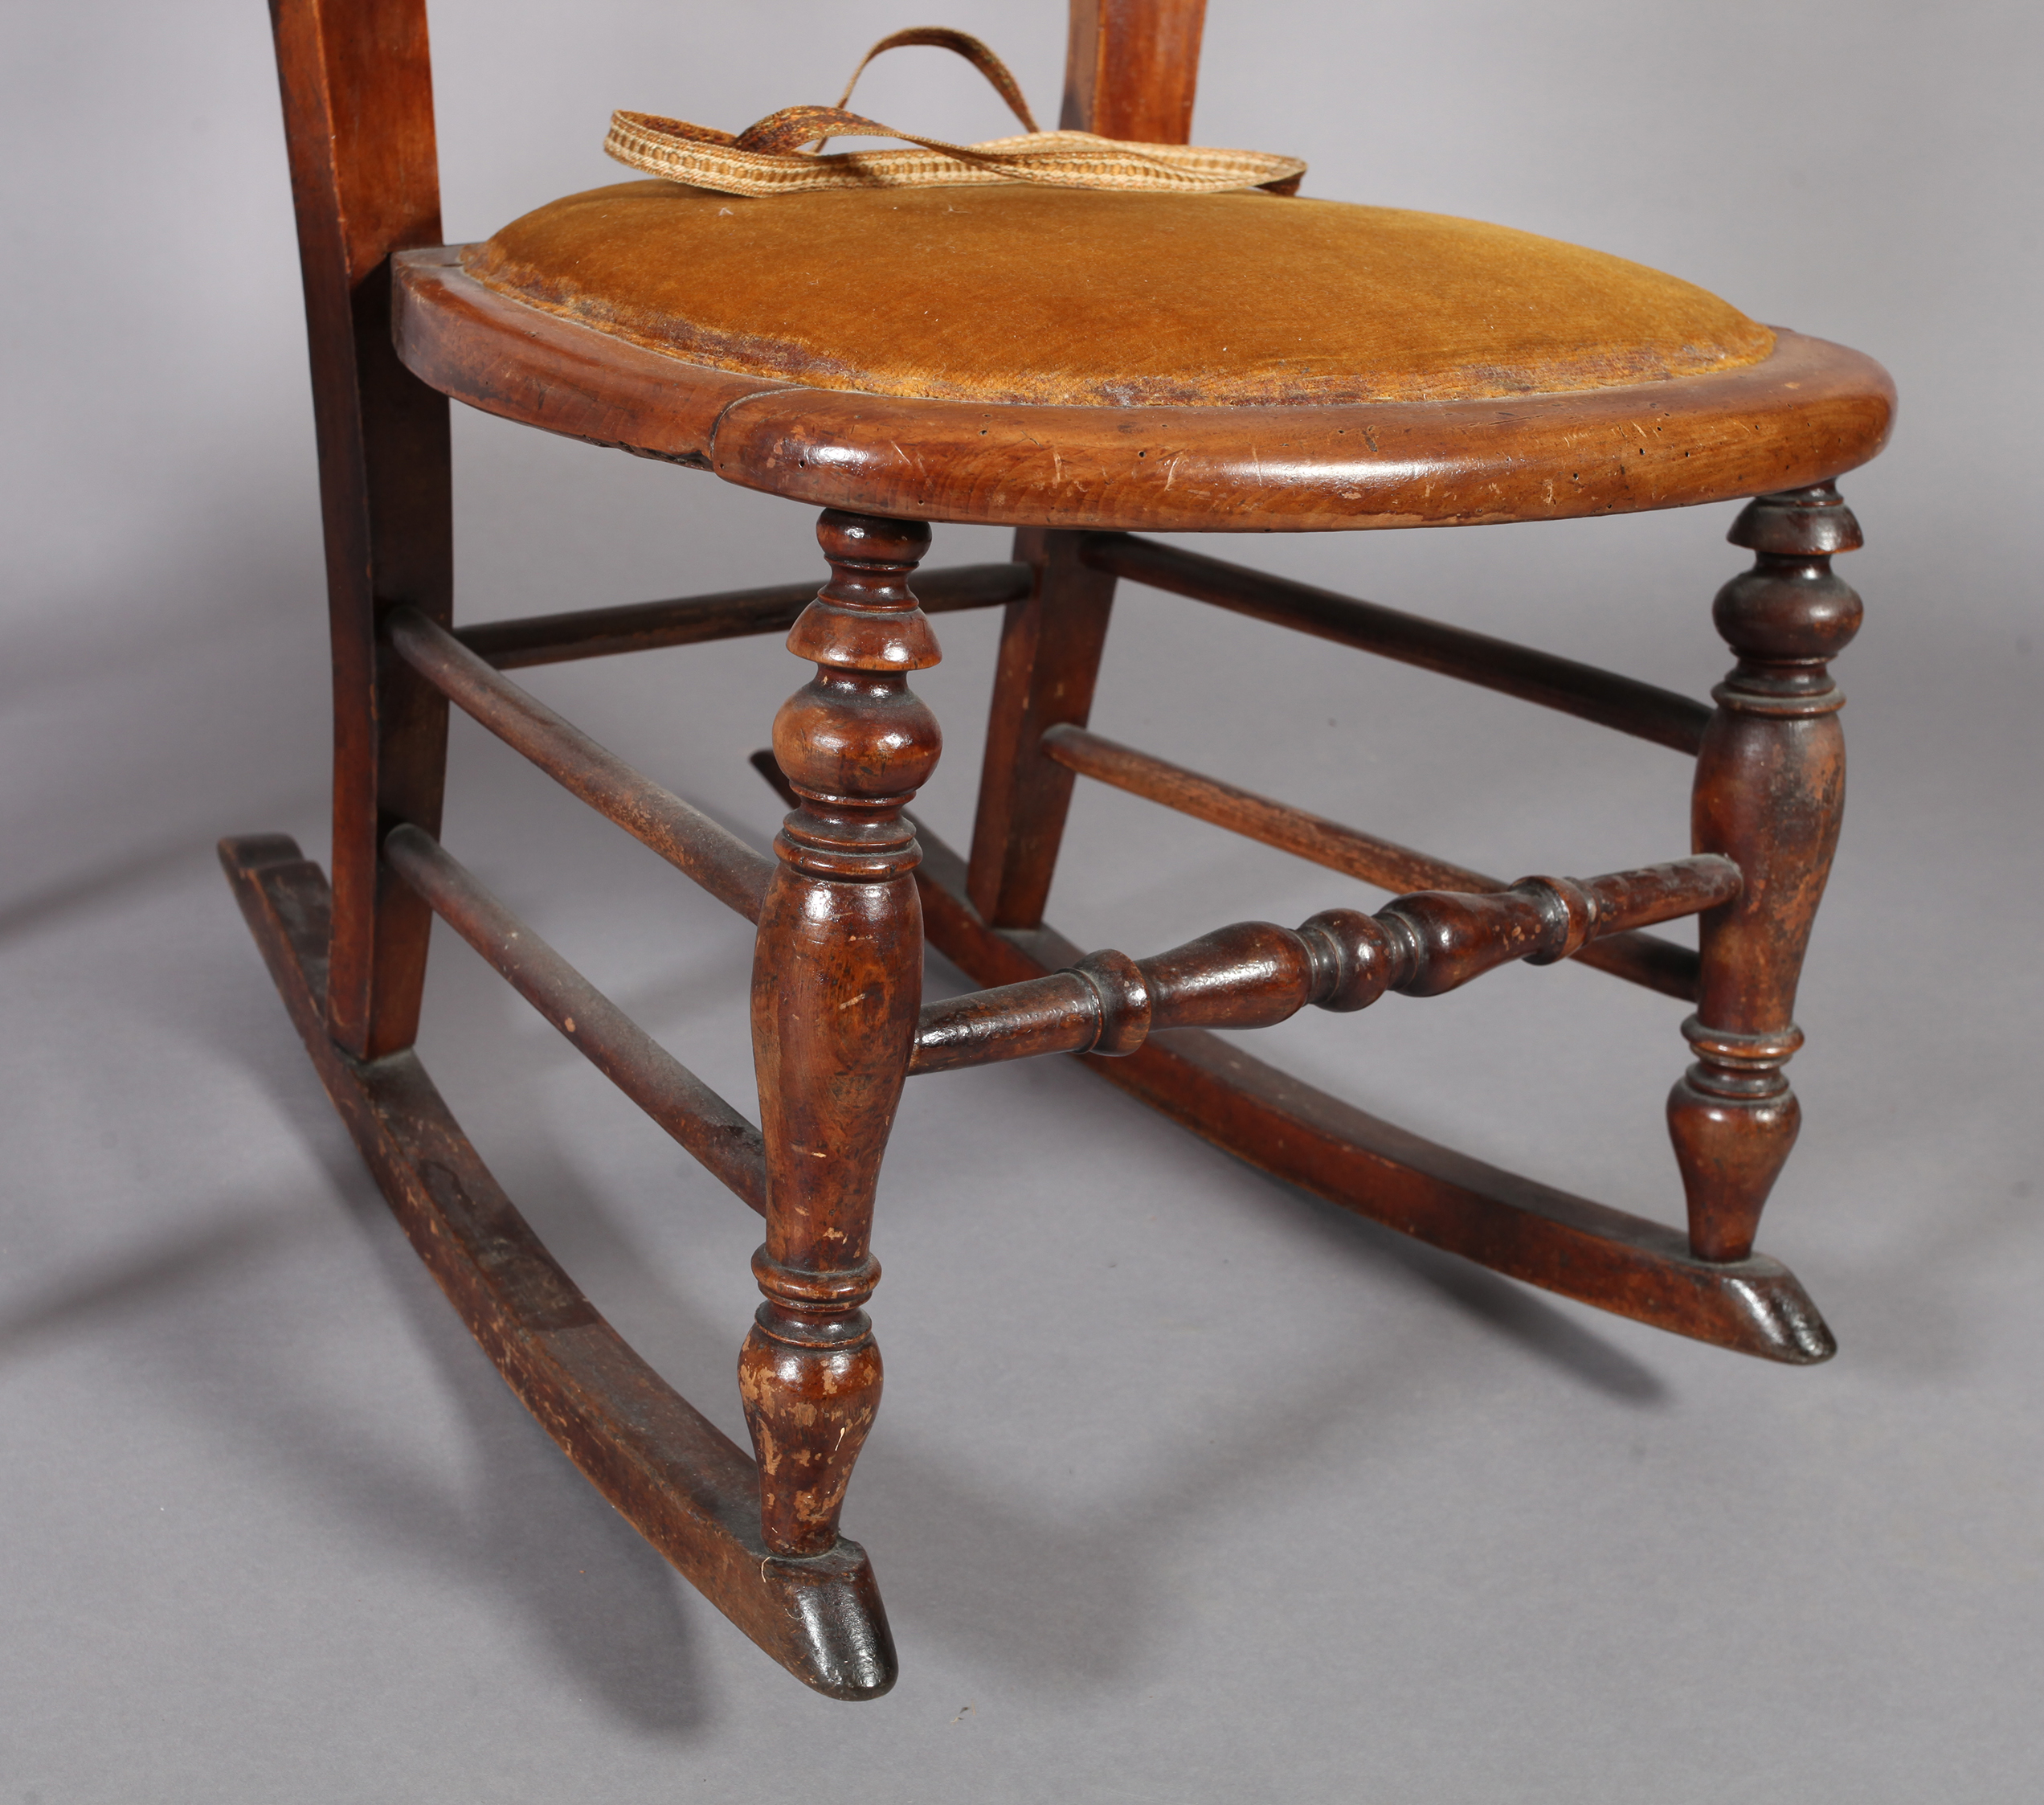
pixel 767 157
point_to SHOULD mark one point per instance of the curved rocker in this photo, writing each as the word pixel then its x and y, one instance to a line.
pixel 1515 1225
pixel 680 1482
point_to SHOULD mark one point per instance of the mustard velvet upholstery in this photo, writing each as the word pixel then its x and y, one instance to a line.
pixel 1026 293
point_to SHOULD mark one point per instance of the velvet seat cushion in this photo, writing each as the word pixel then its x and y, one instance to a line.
pixel 1026 293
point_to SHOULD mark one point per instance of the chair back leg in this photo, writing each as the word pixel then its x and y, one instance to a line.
pixel 358 120
pixel 1130 68
pixel 1050 649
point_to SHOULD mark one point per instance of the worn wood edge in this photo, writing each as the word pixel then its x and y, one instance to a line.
pixel 674 1476
pixel 1515 1225
pixel 1809 413
pixel 504 358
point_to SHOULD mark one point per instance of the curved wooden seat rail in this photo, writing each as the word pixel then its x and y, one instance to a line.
pixel 1809 413
pixel 843 902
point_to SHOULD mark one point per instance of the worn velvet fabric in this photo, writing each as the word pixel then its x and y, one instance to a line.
pixel 1027 293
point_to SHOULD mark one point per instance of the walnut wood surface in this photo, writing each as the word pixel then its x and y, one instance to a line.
pixel 676 1479
pixel 392 319
pixel 358 125
pixel 687 839
pixel 1624 703
pixel 837 981
pixel 1252 974
pixel 1131 67
pixel 1641 959
pixel 728 1146
pixel 1050 647
pixel 1810 412
pixel 1515 1225
pixel 1770 792
pixel 600 633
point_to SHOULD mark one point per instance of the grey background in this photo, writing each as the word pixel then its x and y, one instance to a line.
pixel 1186 1488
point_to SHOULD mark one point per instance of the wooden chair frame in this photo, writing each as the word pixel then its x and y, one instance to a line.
pixel 842 911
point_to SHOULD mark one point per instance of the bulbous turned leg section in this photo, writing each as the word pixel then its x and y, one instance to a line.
pixel 809 1376
pixel 837 981
pixel 1734 1120
pixel 1769 793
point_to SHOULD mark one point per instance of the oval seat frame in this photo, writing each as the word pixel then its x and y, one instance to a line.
pixel 1808 414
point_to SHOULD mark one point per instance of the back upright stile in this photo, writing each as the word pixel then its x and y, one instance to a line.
pixel 1131 69
pixel 359 123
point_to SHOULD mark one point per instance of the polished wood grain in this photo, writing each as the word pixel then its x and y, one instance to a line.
pixel 1131 67
pixel 728 1146
pixel 699 848
pixel 1641 959
pixel 1050 647
pixel 603 633
pixel 1623 703
pixel 1770 793
pixel 669 1471
pixel 1256 974
pixel 359 123
pixel 395 327
pixel 1514 1224
pixel 1811 412
pixel 837 981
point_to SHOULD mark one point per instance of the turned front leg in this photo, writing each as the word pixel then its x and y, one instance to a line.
pixel 1770 790
pixel 836 983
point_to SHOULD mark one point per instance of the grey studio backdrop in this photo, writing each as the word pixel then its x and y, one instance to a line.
pixel 1186 1488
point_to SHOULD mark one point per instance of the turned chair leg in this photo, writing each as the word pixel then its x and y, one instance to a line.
pixel 1051 643
pixel 1770 789
pixel 837 981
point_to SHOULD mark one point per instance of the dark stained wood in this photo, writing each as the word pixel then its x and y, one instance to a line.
pixel 837 978
pixel 507 359
pixel 1515 1226
pixel 1810 411
pixel 1641 959
pixel 395 325
pixel 547 639
pixel 1131 67
pixel 675 1478
pixel 728 1146
pixel 1813 410
pixel 358 125
pixel 1642 710
pixel 686 839
pixel 1254 975
pixel 1770 792
pixel 1050 649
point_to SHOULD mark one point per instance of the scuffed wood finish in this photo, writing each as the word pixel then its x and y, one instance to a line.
pixel 1810 411
pixel 511 360
pixel 1770 792
pixel 1255 975
pixel 1050 648
pixel 1623 703
pixel 1813 410
pixel 1641 959
pixel 1515 1226
pixel 675 1478
pixel 358 123
pixel 1131 67
pixel 601 632
pixel 837 978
